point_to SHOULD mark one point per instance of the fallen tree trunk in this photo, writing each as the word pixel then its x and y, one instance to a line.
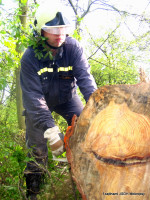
pixel 108 146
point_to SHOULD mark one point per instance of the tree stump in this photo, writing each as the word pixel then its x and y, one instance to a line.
pixel 108 146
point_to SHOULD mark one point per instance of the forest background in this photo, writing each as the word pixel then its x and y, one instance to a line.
pixel 117 50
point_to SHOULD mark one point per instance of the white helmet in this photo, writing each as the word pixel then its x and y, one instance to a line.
pixel 50 19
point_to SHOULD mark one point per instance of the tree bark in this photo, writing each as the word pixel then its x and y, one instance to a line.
pixel 108 146
pixel 21 120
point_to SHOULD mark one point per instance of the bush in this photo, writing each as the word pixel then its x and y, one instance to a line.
pixel 12 164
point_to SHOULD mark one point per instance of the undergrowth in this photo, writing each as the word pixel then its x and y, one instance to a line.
pixel 58 183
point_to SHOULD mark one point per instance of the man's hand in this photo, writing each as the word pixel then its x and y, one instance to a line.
pixel 55 139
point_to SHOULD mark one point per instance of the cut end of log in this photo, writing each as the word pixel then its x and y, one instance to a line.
pixel 118 133
pixel 109 146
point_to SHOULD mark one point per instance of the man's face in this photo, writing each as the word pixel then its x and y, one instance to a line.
pixel 55 40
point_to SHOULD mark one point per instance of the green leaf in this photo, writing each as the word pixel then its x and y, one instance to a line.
pixel 2 83
pixel 23 1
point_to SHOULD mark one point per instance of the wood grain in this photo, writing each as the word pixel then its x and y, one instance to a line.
pixel 109 144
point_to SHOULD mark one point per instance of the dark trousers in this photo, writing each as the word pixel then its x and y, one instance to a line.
pixel 35 136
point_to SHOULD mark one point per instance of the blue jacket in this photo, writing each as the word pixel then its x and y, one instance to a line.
pixel 46 83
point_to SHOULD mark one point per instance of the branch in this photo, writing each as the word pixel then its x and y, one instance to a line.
pixel 119 70
pixel 99 62
pixel 88 8
pixel 21 190
pixel 99 47
pixel 74 9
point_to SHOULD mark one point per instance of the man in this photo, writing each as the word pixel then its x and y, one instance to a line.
pixel 49 84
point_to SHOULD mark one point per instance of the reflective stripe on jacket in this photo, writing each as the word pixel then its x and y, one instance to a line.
pixel 46 83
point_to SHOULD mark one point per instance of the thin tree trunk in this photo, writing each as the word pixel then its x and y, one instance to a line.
pixel 21 121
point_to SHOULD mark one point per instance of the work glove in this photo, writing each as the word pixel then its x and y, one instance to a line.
pixel 55 139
